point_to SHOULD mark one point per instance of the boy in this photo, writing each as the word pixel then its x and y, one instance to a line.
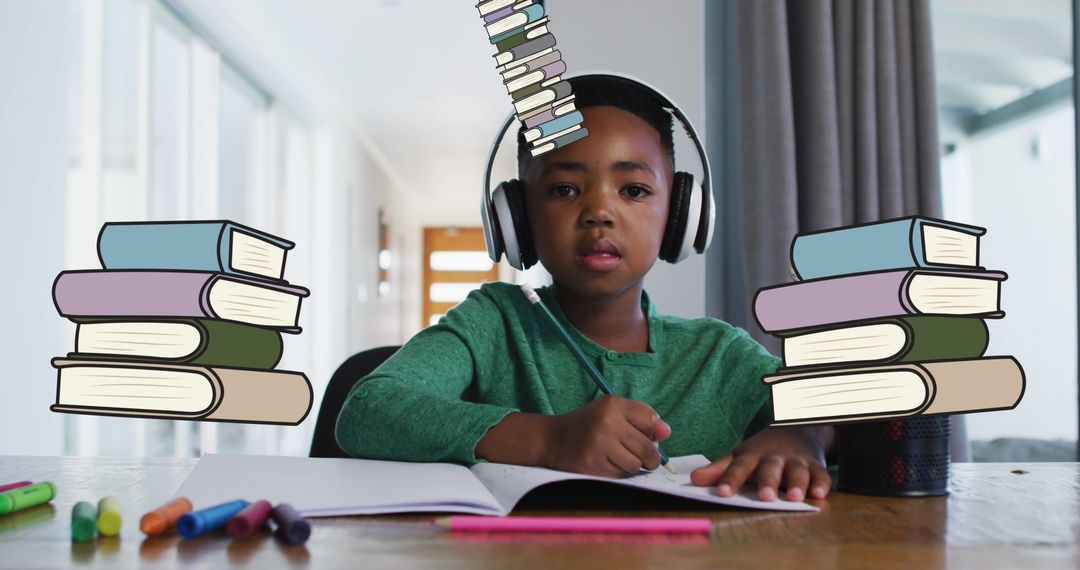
pixel 492 381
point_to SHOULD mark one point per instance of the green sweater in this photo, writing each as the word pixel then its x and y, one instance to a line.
pixel 494 354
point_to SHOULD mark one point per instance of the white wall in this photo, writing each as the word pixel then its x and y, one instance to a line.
pixel 1018 182
pixel 664 46
pixel 33 129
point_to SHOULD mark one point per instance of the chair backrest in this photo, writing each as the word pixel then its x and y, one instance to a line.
pixel 324 444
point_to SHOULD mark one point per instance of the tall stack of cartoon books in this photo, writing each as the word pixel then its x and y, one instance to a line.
pixel 183 322
pixel 887 321
pixel 531 70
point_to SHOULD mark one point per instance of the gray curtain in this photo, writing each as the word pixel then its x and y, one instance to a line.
pixel 822 113
pixel 838 118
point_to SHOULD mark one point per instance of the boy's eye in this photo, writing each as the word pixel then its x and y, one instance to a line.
pixel 637 191
pixel 563 190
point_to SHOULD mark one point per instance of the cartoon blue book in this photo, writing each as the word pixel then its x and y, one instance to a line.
pixel 911 242
pixel 218 246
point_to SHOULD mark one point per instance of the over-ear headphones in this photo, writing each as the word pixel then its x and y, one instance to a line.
pixel 691 214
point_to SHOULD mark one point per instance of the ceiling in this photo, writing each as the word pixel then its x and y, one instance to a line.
pixel 344 56
pixel 417 76
pixel 993 53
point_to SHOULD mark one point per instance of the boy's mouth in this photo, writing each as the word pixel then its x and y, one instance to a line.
pixel 598 255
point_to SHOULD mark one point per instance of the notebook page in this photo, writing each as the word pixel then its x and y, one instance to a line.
pixel 319 487
pixel 509 483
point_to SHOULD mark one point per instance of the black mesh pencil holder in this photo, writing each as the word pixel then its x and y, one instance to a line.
pixel 900 458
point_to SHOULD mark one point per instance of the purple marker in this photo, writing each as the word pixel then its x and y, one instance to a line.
pixel 11 486
pixel 292 527
pixel 246 522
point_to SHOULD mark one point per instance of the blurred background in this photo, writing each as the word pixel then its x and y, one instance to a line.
pixel 360 129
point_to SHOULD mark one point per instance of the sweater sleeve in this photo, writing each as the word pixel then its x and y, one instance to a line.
pixel 752 361
pixel 412 407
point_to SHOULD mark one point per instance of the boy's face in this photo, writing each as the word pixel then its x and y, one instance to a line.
pixel 597 208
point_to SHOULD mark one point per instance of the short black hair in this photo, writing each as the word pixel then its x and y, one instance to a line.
pixel 594 91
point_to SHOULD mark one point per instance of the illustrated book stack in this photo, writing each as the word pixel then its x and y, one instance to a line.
pixel 184 321
pixel 531 69
pixel 886 321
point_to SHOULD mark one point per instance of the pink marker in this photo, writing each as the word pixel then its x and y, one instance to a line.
pixel 574 524
pixel 11 486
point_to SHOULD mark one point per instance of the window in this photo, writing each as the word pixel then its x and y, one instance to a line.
pixel 162 128
pixel 1004 75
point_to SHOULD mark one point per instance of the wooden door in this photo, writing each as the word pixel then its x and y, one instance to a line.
pixel 455 262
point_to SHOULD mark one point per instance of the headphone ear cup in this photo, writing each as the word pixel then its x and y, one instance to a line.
pixel 678 213
pixel 504 223
pixel 492 235
pixel 508 202
pixel 515 197
pixel 706 221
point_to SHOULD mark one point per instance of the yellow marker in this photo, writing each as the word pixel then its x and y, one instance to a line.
pixel 108 518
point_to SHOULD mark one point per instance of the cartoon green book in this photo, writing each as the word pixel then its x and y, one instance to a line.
pixel 892 340
pixel 205 342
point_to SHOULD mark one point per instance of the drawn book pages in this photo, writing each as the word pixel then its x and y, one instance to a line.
pixel 368 487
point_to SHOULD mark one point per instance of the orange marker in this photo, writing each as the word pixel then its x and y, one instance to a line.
pixel 163 518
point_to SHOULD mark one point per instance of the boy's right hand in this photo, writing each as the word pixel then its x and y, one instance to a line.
pixel 610 437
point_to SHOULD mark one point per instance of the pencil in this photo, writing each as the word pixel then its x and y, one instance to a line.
pixel 575 524
pixel 593 372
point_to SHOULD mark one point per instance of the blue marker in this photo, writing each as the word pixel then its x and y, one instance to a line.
pixel 201 522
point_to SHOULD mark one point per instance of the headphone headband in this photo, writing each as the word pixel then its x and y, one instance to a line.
pixel 665 102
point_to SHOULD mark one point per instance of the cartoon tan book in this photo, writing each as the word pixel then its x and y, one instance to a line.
pixel 181 392
pixel 898 390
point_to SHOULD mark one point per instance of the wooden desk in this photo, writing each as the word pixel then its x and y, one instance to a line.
pixel 998 515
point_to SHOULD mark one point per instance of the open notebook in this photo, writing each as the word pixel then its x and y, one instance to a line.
pixel 332 487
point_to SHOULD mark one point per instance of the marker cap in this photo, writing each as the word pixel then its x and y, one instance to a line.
pixel 162 518
pixel 108 519
pixel 83 523
pixel 291 526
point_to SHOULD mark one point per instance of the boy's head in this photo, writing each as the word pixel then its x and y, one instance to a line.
pixel 592 91
pixel 597 208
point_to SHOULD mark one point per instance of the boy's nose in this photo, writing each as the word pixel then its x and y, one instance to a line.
pixel 597 211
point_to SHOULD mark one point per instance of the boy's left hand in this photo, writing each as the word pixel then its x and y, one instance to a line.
pixel 792 457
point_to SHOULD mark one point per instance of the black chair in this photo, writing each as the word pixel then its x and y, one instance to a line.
pixel 324 444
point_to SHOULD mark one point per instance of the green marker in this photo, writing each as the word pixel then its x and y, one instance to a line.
pixel 26 497
pixel 108 518
pixel 83 522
